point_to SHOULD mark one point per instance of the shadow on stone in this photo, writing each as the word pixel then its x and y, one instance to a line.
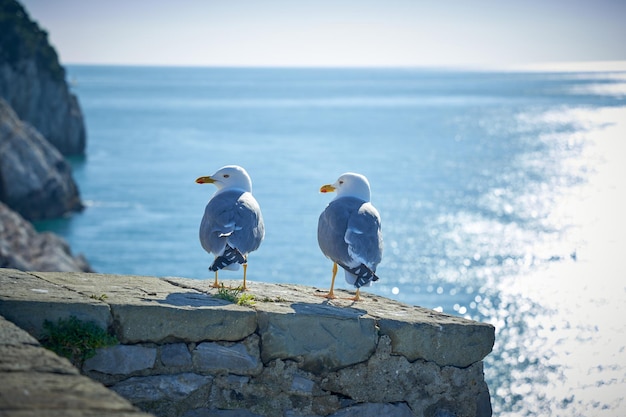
pixel 327 309
pixel 189 299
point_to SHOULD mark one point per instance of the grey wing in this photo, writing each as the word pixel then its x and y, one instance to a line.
pixel 234 218
pixel 364 237
pixel 331 230
pixel 249 229
pixel 217 223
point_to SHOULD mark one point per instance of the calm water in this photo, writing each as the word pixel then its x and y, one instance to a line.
pixel 502 198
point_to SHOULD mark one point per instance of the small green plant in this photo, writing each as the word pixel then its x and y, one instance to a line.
pixel 246 300
pixel 228 294
pixel 99 297
pixel 235 295
pixel 74 339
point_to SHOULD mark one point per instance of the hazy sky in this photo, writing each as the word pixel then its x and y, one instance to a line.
pixel 483 33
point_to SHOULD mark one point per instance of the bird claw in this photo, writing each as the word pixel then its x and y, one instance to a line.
pixel 330 295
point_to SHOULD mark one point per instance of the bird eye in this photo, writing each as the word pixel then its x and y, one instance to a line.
pixel 340 182
pixel 226 175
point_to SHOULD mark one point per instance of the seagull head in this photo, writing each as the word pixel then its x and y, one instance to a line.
pixel 349 184
pixel 229 177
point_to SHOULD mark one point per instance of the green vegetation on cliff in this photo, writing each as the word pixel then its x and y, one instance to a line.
pixel 22 39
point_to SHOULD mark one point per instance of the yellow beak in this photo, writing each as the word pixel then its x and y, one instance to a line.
pixel 327 188
pixel 205 180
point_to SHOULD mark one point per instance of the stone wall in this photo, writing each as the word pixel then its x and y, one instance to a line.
pixel 185 352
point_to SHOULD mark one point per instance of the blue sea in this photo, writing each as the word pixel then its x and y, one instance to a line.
pixel 502 197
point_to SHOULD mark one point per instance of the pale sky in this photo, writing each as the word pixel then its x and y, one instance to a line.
pixel 393 33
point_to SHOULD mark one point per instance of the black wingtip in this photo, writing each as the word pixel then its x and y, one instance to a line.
pixel 364 275
pixel 229 257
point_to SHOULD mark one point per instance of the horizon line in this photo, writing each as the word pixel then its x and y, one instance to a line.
pixel 556 66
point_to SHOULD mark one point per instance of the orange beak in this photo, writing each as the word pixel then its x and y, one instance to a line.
pixel 205 180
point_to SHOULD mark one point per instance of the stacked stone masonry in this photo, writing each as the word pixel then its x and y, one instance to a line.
pixel 185 352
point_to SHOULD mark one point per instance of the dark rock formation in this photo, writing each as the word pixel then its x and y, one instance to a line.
pixel 33 82
pixel 21 247
pixel 35 180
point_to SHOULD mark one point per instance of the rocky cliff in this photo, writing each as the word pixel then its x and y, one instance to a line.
pixel 39 120
pixel 21 247
pixel 35 179
pixel 33 82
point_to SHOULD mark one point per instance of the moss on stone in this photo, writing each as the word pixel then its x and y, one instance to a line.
pixel 76 340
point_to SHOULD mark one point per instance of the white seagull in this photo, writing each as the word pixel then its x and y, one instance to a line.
pixel 232 225
pixel 348 232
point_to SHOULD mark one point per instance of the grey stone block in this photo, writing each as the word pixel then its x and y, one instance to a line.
pixel 324 337
pixel 121 359
pixel 175 355
pixel 236 359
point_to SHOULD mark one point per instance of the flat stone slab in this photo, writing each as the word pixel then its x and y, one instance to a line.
pixel 27 300
pixel 149 309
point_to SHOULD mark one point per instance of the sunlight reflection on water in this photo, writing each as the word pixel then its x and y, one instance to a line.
pixel 561 330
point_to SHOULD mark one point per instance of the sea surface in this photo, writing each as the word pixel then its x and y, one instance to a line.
pixel 502 196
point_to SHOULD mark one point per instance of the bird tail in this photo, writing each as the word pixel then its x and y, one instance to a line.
pixel 363 274
pixel 229 257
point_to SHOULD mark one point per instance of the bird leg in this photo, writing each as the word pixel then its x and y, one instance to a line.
pixel 357 296
pixel 215 284
pixel 331 294
pixel 245 268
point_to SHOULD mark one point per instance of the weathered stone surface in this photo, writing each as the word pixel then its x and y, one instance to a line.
pixel 323 336
pixel 36 382
pixel 267 394
pixel 21 247
pixel 33 81
pixel 166 395
pixel 20 352
pixel 28 301
pixel 159 387
pixel 424 386
pixel 148 309
pixel 415 332
pixel 122 359
pixel 11 335
pixel 29 358
pixel 238 359
pixel 206 412
pixel 175 355
pixel 302 385
pixel 41 391
pixel 375 410
pixel 426 337
pixel 35 180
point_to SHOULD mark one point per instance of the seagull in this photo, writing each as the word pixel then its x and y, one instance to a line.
pixel 348 232
pixel 232 225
